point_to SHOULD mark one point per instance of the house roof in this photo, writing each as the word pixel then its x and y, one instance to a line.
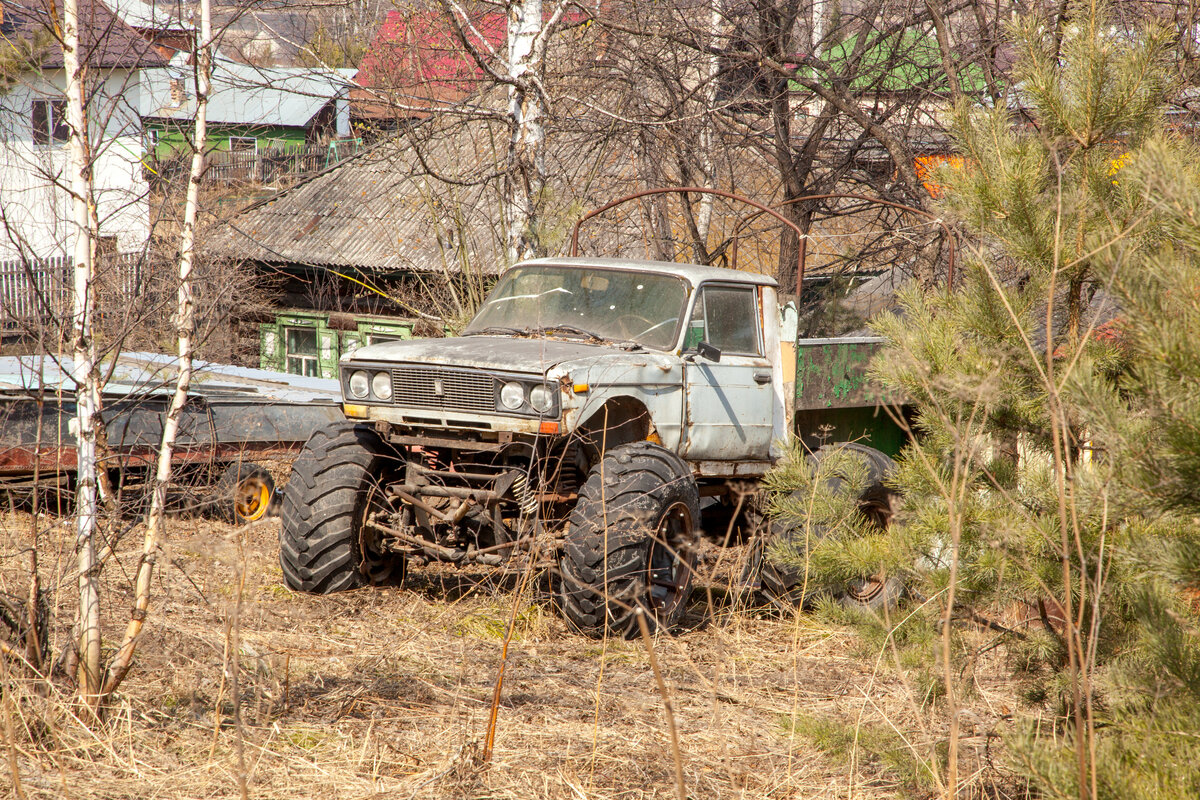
pixel 106 41
pixel 243 94
pixel 418 62
pixel 382 210
pixel 377 210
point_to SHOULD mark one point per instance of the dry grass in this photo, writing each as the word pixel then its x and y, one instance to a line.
pixel 387 692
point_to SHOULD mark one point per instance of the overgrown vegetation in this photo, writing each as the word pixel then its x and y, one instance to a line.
pixel 1050 493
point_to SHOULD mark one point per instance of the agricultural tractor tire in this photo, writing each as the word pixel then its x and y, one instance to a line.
pixel 244 493
pixel 324 544
pixel 630 543
pixel 784 583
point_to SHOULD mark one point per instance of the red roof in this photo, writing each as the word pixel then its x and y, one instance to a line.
pixel 417 60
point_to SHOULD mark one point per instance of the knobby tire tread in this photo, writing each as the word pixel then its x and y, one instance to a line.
pixel 784 583
pixel 319 549
pixel 639 481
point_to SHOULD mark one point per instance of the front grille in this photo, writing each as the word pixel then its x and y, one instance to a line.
pixel 416 387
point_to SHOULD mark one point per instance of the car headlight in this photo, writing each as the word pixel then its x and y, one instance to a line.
pixel 381 385
pixel 541 397
pixel 512 395
pixel 359 384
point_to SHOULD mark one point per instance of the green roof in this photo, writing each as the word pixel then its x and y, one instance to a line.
pixel 897 63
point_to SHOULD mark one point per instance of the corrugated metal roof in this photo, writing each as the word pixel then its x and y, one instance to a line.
pixel 243 94
pixel 378 210
pixel 137 374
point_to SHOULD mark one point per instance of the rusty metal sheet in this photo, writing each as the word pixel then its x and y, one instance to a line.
pixel 832 373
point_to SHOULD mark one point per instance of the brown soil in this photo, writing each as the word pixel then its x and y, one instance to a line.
pixel 387 692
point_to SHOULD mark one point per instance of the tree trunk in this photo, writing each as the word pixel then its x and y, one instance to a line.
pixel 83 373
pixel 525 178
pixel 185 321
pixel 708 166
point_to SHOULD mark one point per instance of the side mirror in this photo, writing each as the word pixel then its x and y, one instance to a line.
pixel 709 352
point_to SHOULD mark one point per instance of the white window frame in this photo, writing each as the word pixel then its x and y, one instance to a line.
pixel 301 358
pixel 253 139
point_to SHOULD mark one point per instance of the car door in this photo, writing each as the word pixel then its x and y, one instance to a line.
pixel 728 402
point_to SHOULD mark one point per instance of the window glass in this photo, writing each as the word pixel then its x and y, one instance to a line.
pixel 49 118
pixel 301 345
pixel 620 305
pixel 243 144
pixel 727 318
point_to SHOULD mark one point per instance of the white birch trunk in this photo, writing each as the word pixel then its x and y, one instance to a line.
pixel 526 163
pixel 707 134
pixel 83 373
pixel 185 322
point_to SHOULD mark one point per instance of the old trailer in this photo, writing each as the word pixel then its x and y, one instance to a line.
pixel 236 421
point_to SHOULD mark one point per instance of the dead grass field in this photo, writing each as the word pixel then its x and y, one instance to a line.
pixel 387 692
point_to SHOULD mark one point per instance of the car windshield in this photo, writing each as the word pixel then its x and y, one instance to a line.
pixel 591 303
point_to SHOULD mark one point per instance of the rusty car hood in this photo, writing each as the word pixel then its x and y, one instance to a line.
pixel 512 354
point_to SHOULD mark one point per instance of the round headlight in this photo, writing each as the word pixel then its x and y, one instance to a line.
pixel 512 395
pixel 360 383
pixel 541 398
pixel 381 385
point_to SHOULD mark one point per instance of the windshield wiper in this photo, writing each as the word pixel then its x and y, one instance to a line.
pixel 499 329
pixel 595 337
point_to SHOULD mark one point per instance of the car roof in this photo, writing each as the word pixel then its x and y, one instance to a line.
pixel 693 273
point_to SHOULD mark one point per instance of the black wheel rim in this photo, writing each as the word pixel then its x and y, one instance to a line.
pixel 376 563
pixel 669 565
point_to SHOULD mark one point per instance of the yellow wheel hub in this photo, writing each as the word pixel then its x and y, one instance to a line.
pixel 252 498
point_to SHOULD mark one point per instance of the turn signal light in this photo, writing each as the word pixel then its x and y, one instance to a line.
pixel 352 410
pixel 548 427
pixel 580 388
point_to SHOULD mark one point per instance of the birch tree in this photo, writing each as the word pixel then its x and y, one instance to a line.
pixel 83 372
pixel 185 322
pixel 520 68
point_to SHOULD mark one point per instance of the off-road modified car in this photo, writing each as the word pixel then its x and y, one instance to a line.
pixel 581 421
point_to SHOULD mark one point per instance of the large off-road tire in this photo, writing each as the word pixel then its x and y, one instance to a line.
pixel 243 494
pixel 336 481
pixel 630 542
pixel 783 582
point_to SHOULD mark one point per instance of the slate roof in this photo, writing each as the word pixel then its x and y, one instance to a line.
pixel 373 211
pixel 381 210
pixel 105 40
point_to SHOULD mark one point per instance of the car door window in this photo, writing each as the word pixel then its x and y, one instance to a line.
pixel 727 318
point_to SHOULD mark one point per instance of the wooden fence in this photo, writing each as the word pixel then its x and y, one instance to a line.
pixel 273 165
pixel 36 292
